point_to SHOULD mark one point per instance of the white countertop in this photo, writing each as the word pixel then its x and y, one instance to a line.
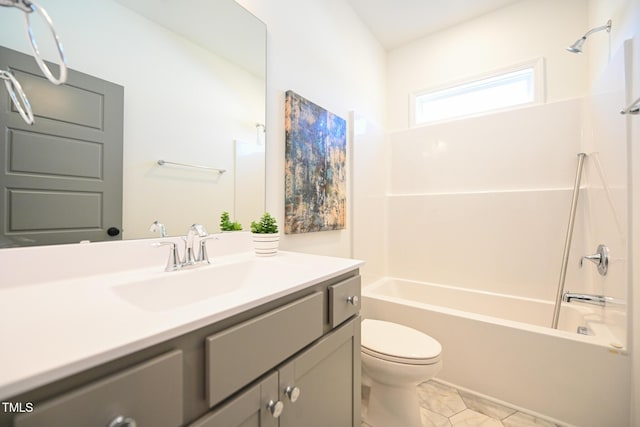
pixel 50 330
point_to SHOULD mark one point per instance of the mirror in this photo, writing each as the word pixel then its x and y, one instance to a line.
pixel 194 94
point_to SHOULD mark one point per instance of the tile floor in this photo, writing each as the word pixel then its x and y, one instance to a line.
pixel 445 406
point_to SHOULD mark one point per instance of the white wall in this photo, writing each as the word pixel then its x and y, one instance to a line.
pixel 483 202
pixel 179 107
pixel 369 211
pixel 323 52
pixel 521 32
pixel 617 196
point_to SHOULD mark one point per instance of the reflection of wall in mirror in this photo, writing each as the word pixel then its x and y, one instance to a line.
pixel 182 103
pixel 249 176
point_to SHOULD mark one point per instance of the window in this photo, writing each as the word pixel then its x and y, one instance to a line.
pixel 518 86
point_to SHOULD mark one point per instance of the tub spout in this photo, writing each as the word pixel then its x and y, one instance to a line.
pixel 600 300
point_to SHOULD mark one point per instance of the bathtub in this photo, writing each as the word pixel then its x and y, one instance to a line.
pixel 502 346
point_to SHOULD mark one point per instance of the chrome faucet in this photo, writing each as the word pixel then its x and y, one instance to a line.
pixel 600 300
pixel 158 227
pixel 194 230
pixel 189 259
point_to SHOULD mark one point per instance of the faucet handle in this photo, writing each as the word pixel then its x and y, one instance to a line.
pixel 159 227
pixel 199 230
pixel 203 258
pixel 173 263
pixel 194 230
pixel 595 258
pixel 600 259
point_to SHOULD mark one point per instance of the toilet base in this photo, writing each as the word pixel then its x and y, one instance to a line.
pixel 392 406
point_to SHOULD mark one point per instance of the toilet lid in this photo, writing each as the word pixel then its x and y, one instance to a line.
pixel 399 343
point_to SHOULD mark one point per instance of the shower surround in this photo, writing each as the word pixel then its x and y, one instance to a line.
pixel 482 204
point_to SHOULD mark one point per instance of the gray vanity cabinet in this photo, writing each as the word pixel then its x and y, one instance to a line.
pixel 290 362
pixel 318 373
pixel 249 409
pixel 320 387
pixel 149 393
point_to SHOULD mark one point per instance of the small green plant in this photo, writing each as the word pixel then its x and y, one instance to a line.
pixel 266 225
pixel 227 225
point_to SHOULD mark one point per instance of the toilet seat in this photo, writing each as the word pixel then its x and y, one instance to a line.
pixel 398 343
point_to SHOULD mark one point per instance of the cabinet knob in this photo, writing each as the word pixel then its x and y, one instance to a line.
pixel 353 300
pixel 293 393
pixel 121 421
pixel 275 408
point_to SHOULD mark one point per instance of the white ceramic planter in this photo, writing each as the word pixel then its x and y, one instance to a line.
pixel 265 244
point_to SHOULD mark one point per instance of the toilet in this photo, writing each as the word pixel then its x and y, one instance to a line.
pixel 395 359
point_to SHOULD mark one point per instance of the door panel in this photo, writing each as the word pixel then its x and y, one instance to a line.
pixel 61 178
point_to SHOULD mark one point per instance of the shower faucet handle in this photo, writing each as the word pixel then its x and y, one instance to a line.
pixel 600 259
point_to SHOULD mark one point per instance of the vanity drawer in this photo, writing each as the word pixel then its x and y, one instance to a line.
pixel 344 300
pixel 238 355
pixel 149 393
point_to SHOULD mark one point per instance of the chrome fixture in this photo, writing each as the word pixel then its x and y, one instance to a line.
pixel 173 263
pixel 600 258
pixel 121 421
pixel 293 393
pixel 577 46
pixel 18 4
pixel 189 255
pixel 203 258
pixel 158 227
pixel 187 165
pixel 600 300
pixel 28 6
pixel 17 95
pixel 567 241
pixel 633 108
pixel 584 330
pixel 275 408
pixel 189 259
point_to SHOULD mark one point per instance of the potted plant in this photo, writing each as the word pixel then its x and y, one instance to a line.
pixel 227 225
pixel 265 235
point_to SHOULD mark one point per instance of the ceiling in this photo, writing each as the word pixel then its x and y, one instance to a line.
pixel 397 22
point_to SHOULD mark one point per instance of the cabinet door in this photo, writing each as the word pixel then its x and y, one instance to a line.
pixel 249 409
pixel 150 394
pixel 321 386
pixel 237 356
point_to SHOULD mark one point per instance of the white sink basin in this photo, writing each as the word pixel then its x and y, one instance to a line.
pixel 175 289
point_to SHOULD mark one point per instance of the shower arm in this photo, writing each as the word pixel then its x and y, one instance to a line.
pixel 606 26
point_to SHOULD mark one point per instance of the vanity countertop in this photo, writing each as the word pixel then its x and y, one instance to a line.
pixel 54 329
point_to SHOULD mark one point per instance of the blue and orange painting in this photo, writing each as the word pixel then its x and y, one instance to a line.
pixel 315 167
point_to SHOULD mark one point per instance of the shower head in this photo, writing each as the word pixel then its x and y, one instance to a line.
pixel 577 46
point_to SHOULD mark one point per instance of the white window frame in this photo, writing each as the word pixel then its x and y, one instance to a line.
pixel 537 66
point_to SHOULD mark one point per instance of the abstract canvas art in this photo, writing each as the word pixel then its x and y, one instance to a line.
pixel 315 167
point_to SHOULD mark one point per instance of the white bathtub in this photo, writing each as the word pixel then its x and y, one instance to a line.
pixel 501 346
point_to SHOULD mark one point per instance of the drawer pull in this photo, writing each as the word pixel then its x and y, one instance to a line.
pixel 275 408
pixel 121 421
pixel 293 393
pixel 353 300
